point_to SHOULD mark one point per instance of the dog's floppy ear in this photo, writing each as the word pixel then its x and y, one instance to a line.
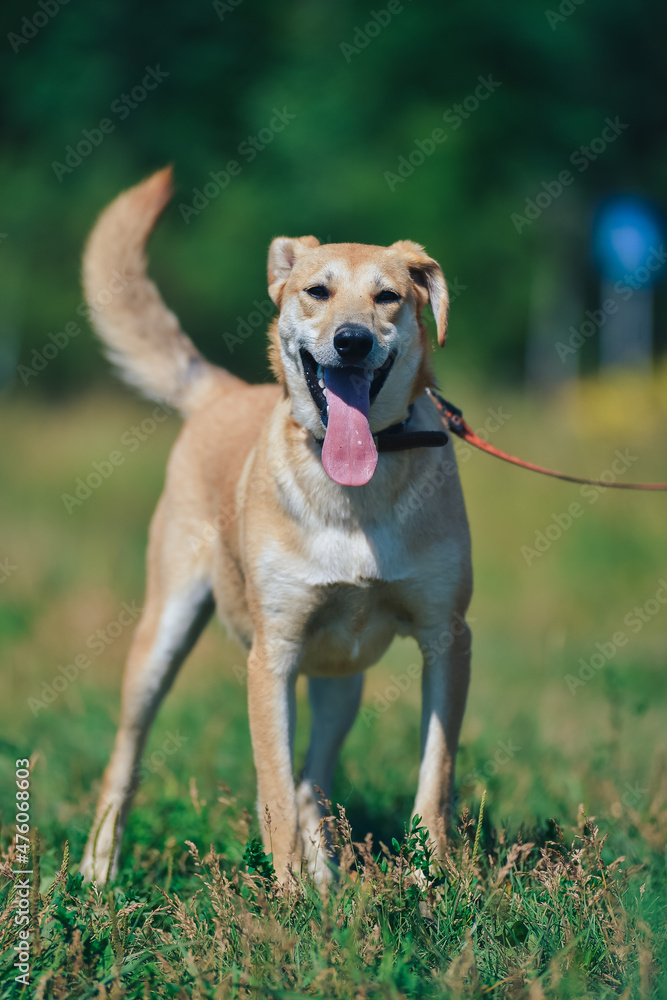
pixel 429 283
pixel 283 252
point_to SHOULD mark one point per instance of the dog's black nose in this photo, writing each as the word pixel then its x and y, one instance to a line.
pixel 353 342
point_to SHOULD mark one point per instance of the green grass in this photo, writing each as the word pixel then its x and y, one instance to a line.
pixel 574 779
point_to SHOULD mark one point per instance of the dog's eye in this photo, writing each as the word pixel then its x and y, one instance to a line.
pixel 318 292
pixel 387 296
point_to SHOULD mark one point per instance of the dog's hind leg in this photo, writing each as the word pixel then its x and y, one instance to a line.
pixel 178 605
pixel 334 702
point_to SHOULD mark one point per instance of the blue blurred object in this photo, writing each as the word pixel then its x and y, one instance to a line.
pixel 626 232
pixel 627 245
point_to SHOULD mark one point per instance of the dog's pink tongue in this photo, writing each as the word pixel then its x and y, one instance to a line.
pixel 349 455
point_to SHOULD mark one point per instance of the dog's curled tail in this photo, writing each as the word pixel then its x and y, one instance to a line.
pixel 142 336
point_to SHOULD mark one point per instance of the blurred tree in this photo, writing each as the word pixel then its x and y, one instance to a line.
pixel 368 88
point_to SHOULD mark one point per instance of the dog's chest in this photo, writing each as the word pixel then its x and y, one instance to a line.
pixel 348 627
pixel 342 597
pixel 337 556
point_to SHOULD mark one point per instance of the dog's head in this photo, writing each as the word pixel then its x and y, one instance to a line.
pixel 350 345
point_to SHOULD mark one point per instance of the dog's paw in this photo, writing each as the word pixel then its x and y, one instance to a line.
pixel 97 871
pixel 315 847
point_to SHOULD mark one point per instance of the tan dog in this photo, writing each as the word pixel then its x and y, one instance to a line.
pixel 330 552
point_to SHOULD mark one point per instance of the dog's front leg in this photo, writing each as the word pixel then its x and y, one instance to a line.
pixel 445 681
pixel 272 711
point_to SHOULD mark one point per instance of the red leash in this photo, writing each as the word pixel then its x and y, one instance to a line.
pixel 453 419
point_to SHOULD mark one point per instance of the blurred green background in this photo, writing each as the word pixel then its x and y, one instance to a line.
pixel 363 84
pixel 361 98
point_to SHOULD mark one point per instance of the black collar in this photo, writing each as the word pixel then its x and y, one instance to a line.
pixel 397 438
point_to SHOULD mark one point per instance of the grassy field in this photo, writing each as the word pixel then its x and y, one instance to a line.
pixel 564 733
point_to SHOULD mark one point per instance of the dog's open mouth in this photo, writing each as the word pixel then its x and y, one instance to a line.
pixel 343 396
